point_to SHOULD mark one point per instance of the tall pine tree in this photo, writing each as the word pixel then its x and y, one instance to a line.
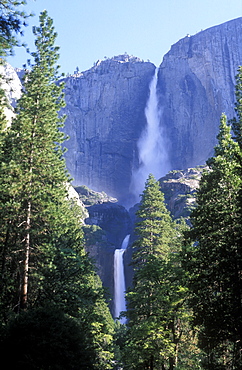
pixel 33 170
pixel 155 302
pixel 43 263
pixel 214 260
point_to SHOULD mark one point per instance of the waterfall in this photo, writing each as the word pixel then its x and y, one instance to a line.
pixel 152 145
pixel 119 280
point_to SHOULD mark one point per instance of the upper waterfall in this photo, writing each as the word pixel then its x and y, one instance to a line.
pixel 152 145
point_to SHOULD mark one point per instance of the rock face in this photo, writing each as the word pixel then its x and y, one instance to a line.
pixel 112 218
pixel 196 85
pixel 107 224
pixel 12 86
pixel 179 188
pixel 105 114
pixel 105 107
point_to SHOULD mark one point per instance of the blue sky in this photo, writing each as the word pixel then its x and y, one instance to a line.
pixel 89 30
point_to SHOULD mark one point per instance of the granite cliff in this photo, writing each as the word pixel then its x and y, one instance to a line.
pixel 105 108
pixel 106 104
pixel 105 113
pixel 10 82
pixel 196 84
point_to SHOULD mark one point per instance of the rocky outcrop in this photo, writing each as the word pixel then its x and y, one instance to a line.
pixel 105 115
pixel 90 197
pixel 107 224
pixel 179 188
pixel 196 85
pixel 112 218
pixel 10 82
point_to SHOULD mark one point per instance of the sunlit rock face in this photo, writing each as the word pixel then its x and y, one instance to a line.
pixel 106 104
pixel 105 116
pixel 10 82
pixel 196 84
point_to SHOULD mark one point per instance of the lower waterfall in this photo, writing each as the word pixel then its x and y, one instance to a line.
pixel 119 280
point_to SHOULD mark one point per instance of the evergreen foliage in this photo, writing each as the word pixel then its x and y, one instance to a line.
pixel 12 21
pixel 214 260
pixel 33 175
pixel 237 121
pixel 45 338
pixel 155 304
pixel 43 262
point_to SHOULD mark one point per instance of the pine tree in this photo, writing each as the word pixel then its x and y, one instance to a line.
pixel 34 176
pixel 43 263
pixel 214 259
pixel 155 303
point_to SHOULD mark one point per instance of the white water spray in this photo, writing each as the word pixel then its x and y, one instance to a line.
pixel 152 145
pixel 119 280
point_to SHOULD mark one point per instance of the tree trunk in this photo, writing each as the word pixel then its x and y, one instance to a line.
pixel 171 363
pixel 4 257
pixel 25 277
pixel 151 362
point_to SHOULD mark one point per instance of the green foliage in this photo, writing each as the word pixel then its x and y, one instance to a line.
pixel 12 20
pixel 43 263
pixel 156 303
pixel 214 257
pixel 237 121
pixel 33 176
pixel 95 235
pixel 45 338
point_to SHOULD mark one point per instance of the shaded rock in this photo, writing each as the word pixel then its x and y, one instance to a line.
pixel 114 223
pixel 112 218
pixel 102 254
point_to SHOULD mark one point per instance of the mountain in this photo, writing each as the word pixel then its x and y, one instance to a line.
pixel 12 86
pixel 105 114
pixel 106 108
pixel 106 117
pixel 196 84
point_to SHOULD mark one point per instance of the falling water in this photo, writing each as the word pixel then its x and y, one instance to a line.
pixel 119 280
pixel 152 145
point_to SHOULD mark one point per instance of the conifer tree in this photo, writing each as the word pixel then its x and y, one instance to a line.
pixel 33 170
pixel 215 259
pixel 155 303
pixel 43 263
